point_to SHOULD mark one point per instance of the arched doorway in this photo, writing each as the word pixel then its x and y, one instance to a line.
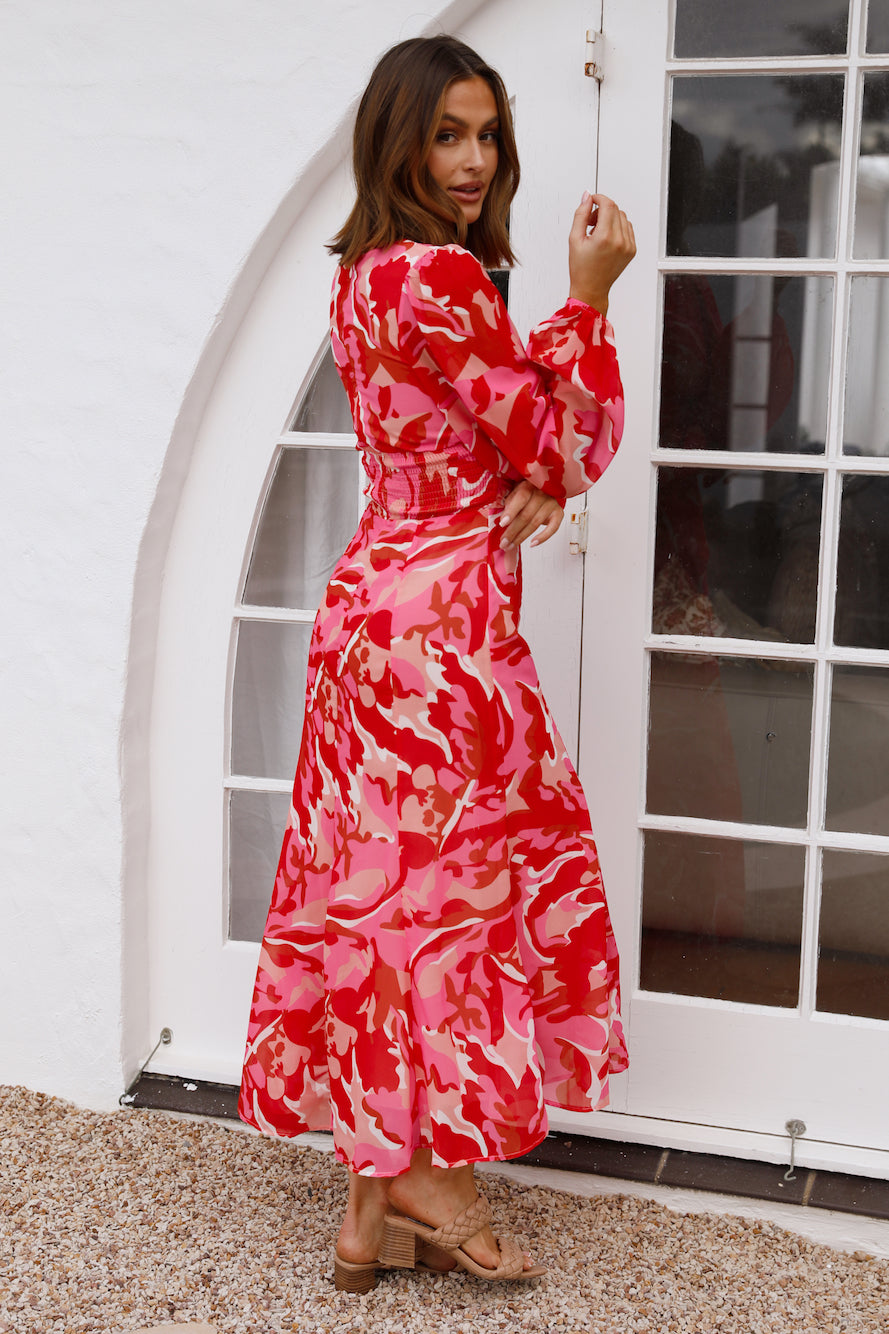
pixel 272 482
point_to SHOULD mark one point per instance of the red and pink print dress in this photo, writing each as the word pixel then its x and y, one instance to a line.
pixel 438 960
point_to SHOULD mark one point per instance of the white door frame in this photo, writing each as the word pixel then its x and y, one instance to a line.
pixel 671 1038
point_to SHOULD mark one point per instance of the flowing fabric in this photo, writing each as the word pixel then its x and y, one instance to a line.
pixel 438 961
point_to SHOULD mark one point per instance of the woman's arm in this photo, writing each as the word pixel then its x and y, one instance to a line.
pixel 555 410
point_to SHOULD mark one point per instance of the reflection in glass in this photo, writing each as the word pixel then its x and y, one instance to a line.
pixel 862 600
pixel 872 191
pixel 858 759
pixel 309 515
pixel 866 417
pixel 268 698
pixel 745 362
pixel 760 28
pixel 736 553
pixel 722 918
pixel 878 26
pixel 256 827
pixel 853 936
pixel 324 405
pixel 729 739
pixel 744 151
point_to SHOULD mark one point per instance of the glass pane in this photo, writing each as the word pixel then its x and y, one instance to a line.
pixel 872 202
pixel 500 279
pixel 858 761
pixel 268 698
pixel 255 828
pixel 728 739
pixel 866 418
pixel 745 362
pixel 751 161
pixel 736 553
pixel 760 28
pixel 862 611
pixel 853 938
pixel 722 918
pixel 310 513
pixel 878 26
pixel 324 405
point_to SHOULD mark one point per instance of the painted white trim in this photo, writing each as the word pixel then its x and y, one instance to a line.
pixel 317 440
pixel 246 611
pixel 723 1141
pixel 248 783
pixel 813 463
pixel 804 266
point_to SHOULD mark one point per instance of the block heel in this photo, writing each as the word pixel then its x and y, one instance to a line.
pixel 399 1246
pixel 349 1277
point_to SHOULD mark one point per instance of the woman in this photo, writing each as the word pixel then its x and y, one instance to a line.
pixel 438 961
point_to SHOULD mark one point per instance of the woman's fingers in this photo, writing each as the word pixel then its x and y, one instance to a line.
pixel 529 511
pixel 583 216
pixel 550 527
pixel 601 244
pixel 612 231
pixel 521 528
pixel 518 497
pixel 513 517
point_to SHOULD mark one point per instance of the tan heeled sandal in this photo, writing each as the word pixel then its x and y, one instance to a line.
pixel 351 1276
pixel 402 1235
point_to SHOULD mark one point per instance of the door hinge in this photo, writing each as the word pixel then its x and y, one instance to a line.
pixel 577 521
pixel 592 67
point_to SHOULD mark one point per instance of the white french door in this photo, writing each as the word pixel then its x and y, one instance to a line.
pixel 736 650
pixel 270 500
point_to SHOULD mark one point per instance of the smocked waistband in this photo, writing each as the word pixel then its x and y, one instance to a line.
pixel 419 486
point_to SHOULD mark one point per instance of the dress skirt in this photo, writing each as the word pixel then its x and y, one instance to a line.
pixel 438 962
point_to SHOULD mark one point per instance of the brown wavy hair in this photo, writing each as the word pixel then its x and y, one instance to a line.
pixel 398 119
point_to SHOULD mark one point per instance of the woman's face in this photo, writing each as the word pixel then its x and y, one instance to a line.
pixel 463 158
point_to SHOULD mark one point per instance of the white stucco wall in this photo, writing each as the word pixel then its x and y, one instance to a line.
pixel 149 144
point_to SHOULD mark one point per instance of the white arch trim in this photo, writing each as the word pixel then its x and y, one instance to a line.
pixel 153 564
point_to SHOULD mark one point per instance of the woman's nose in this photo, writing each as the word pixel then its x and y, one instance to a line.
pixel 474 157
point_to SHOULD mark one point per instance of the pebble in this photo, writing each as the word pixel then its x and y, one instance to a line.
pixel 135 1222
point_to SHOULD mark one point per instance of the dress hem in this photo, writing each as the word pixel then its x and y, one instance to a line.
pixel 464 1162
pixel 343 1158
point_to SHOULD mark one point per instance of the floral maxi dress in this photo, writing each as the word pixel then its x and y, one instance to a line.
pixel 438 961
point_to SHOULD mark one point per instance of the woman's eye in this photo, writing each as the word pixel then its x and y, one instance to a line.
pixel 446 137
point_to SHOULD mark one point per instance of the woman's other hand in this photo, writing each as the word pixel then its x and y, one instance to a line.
pixel 528 511
pixel 600 246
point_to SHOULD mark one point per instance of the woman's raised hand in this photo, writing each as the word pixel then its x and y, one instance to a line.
pixel 600 246
pixel 528 510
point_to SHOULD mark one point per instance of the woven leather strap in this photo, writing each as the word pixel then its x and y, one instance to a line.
pixel 451 1236
pixel 512 1264
pixel 465 1225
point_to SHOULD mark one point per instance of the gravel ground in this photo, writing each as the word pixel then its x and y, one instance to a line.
pixel 118 1222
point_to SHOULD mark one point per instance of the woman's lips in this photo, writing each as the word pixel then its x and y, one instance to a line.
pixel 467 192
